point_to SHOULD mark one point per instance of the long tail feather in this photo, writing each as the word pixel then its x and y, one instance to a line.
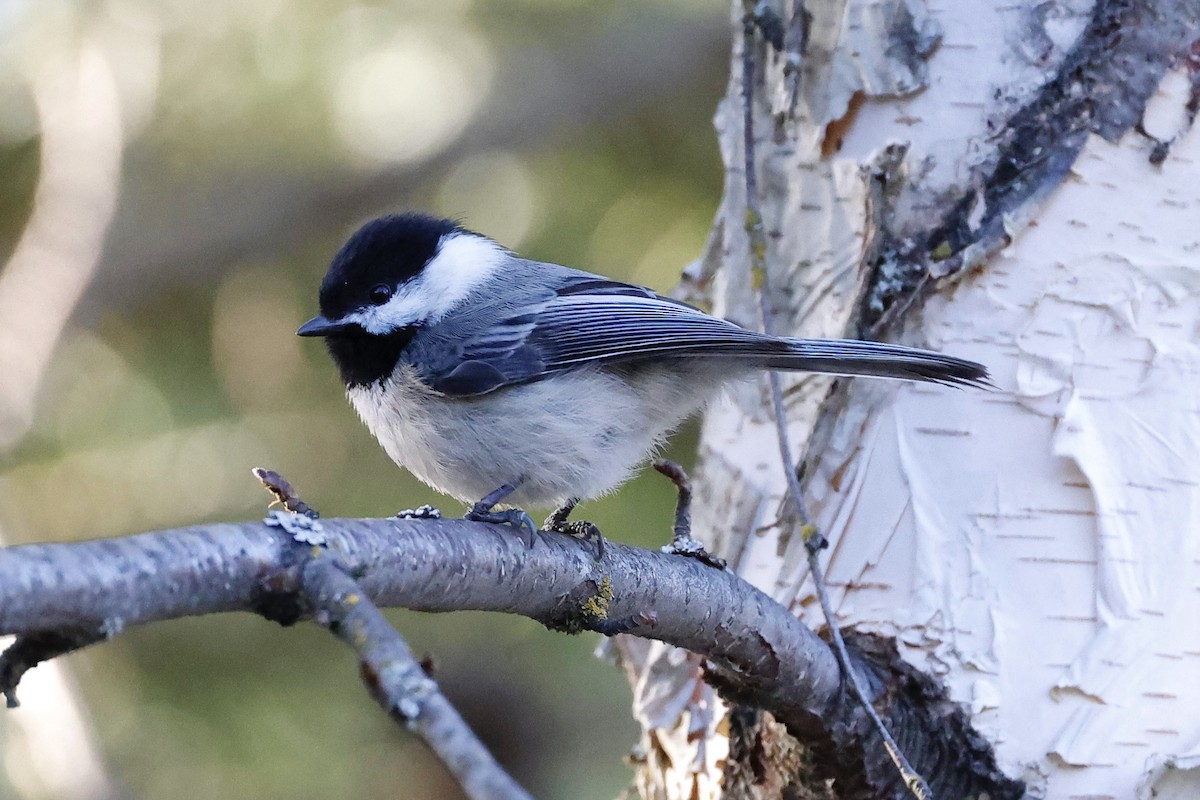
pixel 879 360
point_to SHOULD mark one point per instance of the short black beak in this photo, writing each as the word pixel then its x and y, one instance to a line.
pixel 319 326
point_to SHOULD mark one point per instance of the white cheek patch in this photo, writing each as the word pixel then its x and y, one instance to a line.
pixel 461 265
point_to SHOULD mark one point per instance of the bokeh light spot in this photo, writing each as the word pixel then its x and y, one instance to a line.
pixel 492 193
pixel 410 98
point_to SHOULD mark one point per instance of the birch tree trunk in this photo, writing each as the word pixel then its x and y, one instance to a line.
pixel 1015 184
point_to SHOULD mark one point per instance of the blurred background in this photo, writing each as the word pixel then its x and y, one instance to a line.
pixel 176 177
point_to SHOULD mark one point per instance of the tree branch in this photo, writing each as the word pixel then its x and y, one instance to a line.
pixel 59 597
pixel 437 565
pixel 397 681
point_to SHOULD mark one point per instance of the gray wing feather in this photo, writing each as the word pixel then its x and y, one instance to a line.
pixel 584 328
pixel 593 320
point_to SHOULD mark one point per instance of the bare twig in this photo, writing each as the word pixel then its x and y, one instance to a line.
pixel 758 251
pixel 795 41
pixel 813 541
pixel 284 493
pixel 682 542
pixel 31 649
pixel 399 683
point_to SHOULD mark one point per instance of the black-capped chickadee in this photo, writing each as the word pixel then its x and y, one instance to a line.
pixel 490 376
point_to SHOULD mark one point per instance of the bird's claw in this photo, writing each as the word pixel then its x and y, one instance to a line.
pixel 509 516
pixel 585 531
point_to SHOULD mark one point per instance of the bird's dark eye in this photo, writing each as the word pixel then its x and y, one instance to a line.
pixel 381 294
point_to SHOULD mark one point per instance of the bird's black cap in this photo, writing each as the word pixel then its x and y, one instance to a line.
pixel 387 251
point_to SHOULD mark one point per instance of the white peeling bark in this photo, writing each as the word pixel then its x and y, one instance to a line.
pixel 1039 548
pixel 1036 547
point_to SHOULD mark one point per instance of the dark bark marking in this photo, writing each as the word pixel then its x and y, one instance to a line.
pixel 1102 87
pixel 766 763
pixel 933 731
pixel 757 660
pixel 841 751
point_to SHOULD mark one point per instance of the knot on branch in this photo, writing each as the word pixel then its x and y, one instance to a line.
pixel 749 665
pixel 278 594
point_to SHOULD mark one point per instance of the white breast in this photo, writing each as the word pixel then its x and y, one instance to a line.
pixel 579 434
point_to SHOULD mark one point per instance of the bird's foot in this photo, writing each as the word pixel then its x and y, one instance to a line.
pixel 517 518
pixel 420 512
pixel 509 516
pixel 558 517
pixel 586 531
